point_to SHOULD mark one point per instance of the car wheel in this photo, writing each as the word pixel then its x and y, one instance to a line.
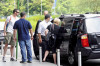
pixel 71 58
pixel 37 57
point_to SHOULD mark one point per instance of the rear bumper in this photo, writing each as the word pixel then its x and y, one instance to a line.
pixel 87 52
pixel 94 55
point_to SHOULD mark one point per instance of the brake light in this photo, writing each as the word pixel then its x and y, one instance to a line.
pixel 84 40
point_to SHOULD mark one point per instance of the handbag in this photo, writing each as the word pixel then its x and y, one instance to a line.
pixel 8 23
pixel 47 37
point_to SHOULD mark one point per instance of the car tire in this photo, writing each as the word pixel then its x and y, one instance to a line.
pixel 71 59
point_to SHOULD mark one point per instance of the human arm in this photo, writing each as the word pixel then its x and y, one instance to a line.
pixel 5 25
pixel 31 32
pixel 40 39
pixel 39 33
pixel 46 31
pixel 14 34
pixel 15 27
pixel 5 28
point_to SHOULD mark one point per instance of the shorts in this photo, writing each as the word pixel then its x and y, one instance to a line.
pixel 9 39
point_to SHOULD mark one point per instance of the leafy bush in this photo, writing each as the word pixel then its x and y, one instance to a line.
pixel 33 20
pixel 2 20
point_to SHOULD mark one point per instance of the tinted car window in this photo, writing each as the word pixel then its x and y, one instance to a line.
pixel 93 24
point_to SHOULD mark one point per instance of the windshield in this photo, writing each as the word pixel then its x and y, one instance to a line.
pixel 93 24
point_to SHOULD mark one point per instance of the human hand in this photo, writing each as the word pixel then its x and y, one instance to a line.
pixel 40 40
pixel 14 39
pixel 32 38
pixel 4 33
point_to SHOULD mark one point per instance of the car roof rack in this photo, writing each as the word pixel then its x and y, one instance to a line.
pixel 79 15
pixel 71 15
pixel 92 13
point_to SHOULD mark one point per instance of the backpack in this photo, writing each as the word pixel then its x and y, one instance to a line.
pixel 8 23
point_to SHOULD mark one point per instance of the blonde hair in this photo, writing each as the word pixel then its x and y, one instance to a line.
pixel 57 21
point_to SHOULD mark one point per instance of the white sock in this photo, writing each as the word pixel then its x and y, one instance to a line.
pixel 11 57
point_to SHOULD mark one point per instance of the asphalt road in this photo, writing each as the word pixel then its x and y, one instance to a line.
pixel 90 62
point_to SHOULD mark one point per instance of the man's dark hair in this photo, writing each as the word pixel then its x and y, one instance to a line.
pixel 47 16
pixel 22 14
pixel 15 10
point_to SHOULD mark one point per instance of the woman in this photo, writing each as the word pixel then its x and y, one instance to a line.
pixel 51 46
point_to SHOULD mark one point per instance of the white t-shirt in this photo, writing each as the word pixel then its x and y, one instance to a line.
pixel 42 27
pixel 11 21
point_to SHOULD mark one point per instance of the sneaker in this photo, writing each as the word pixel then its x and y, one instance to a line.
pixel 3 59
pixel 22 61
pixel 12 59
pixel 29 61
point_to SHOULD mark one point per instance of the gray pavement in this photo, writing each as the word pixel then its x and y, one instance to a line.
pixel 17 63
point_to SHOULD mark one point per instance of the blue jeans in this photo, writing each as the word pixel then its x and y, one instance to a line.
pixel 26 45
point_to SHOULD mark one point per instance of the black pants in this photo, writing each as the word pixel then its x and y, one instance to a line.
pixel 43 45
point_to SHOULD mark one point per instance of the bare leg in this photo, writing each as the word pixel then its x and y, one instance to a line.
pixel 46 54
pixel 54 57
pixel 5 49
pixel 11 50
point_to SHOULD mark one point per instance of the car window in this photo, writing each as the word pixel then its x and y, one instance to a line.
pixel 2 25
pixel 93 24
pixel 68 24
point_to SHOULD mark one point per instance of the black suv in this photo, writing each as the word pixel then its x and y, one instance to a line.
pixel 83 34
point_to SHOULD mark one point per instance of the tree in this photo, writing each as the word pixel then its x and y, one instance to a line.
pixel 35 6
pixel 66 6
pixel 77 6
pixel 6 7
pixel 89 5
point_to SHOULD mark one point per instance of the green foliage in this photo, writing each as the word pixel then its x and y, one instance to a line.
pixel 77 6
pixel 89 5
pixel 7 6
pixel 2 20
pixel 33 20
pixel 35 6
pixel 62 7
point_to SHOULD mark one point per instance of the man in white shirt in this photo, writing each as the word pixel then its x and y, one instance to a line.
pixel 41 32
pixel 8 33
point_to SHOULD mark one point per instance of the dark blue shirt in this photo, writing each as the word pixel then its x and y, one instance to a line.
pixel 22 27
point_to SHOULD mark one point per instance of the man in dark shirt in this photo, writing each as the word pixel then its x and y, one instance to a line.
pixel 23 27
